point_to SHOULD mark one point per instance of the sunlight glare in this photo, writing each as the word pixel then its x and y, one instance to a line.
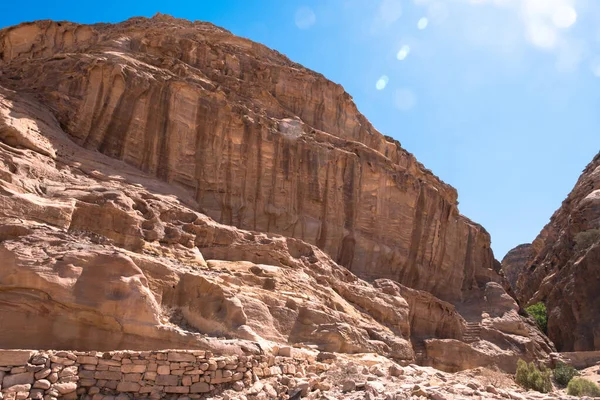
pixel 541 35
pixel 564 16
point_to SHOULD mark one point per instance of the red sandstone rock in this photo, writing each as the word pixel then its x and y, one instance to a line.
pixel 162 180
pixel 563 267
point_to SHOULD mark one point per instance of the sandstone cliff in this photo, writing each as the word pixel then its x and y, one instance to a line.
pixel 258 141
pixel 562 267
pixel 164 183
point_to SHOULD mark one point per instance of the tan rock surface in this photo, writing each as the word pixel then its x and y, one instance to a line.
pixel 563 270
pixel 97 253
pixel 256 140
pixel 117 266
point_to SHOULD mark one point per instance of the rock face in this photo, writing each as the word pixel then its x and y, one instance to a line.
pixel 562 267
pixel 164 183
pixel 78 264
pixel 514 263
pixel 258 141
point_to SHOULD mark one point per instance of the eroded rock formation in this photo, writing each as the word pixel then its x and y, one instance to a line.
pixel 258 141
pixel 164 183
pixel 562 268
pixel 515 262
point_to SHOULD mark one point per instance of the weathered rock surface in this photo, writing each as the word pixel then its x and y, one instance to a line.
pixel 562 268
pixel 120 145
pixel 514 263
pixel 79 263
pixel 256 140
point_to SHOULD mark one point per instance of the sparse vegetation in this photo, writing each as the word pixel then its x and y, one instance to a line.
pixel 496 378
pixel 539 313
pixel 530 377
pixel 582 387
pixel 585 239
pixel 563 373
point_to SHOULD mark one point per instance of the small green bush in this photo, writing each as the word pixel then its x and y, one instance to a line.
pixel 539 313
pixel 585 239
pixel 581 387
pixel 563 373
pixel 530 377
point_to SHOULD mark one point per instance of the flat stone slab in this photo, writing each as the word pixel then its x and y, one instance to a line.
pixel 14 357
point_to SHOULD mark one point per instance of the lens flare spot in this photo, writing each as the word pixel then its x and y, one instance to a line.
pixel 403 52
pixel 390 11
pixel 405 99
pixel 422 24
pixel 382 82
pixel 305 17
pixel 437 12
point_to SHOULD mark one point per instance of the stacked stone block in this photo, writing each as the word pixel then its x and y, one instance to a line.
pixel 29 375
pixel 193 374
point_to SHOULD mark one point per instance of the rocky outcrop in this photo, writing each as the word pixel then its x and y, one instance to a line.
pixel 499 336
pixel 98 256
pixel 514 263
pixel 257 141
pixel 563 268
pixel 121 146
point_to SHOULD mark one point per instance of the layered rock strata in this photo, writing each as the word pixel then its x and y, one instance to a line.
pixel 257 141
pixel 562 268
pixel 99 256
pixel 118 143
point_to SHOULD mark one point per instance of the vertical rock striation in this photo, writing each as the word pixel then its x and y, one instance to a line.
pixel 166 184
pixel 259 141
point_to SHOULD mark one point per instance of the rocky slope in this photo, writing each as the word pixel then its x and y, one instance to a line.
pixel 164 183
pixel 562 267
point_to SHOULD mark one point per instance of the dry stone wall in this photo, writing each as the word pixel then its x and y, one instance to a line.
pixel 195 374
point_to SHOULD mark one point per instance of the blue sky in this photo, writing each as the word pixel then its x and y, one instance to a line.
pixel 500 98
